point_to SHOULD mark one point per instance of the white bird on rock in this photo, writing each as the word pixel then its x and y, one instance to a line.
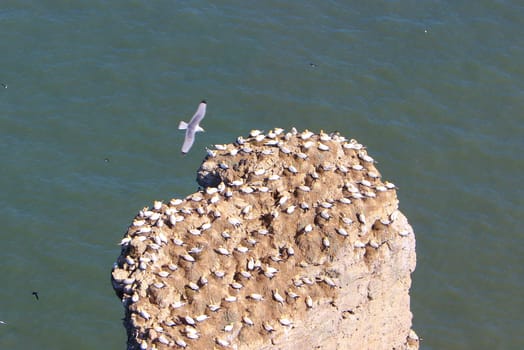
pixel 192 127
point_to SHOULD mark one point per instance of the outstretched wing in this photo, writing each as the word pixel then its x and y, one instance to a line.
pixel 188 140
pixel 199 114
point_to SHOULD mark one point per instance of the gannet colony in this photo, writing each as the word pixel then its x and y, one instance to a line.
pixel 294 242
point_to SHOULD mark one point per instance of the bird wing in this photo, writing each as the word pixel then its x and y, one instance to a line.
pixel 199 114
pixel 188 140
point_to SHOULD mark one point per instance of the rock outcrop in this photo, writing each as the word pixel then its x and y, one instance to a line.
pixel 294 242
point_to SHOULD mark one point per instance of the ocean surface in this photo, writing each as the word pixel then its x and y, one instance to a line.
pixel 88 136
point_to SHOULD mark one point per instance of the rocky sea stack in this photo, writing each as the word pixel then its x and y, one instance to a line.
pixel 294 242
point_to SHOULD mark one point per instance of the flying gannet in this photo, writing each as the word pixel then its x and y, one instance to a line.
pixel 192 127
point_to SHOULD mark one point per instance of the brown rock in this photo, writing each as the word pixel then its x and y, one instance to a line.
pixel 295 242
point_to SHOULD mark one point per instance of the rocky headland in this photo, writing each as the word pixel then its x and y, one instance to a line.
pixel 294 242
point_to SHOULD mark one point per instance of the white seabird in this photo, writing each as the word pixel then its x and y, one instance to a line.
pixel 192 127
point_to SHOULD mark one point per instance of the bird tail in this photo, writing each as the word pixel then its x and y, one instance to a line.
pixel 182 126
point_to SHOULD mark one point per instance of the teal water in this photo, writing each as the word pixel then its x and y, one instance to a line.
pixel 435 89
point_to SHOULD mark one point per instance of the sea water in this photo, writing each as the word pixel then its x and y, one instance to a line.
pixel 88 136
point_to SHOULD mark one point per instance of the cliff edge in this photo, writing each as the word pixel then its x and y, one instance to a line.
pixel 294 242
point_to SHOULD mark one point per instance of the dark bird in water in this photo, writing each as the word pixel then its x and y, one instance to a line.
pixel 192 127
pixel 36 295
pixel 4 85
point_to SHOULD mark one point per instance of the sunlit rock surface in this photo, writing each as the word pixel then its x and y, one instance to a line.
pixel 294 242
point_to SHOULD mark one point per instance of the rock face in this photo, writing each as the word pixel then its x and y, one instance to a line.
pixel 295 242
